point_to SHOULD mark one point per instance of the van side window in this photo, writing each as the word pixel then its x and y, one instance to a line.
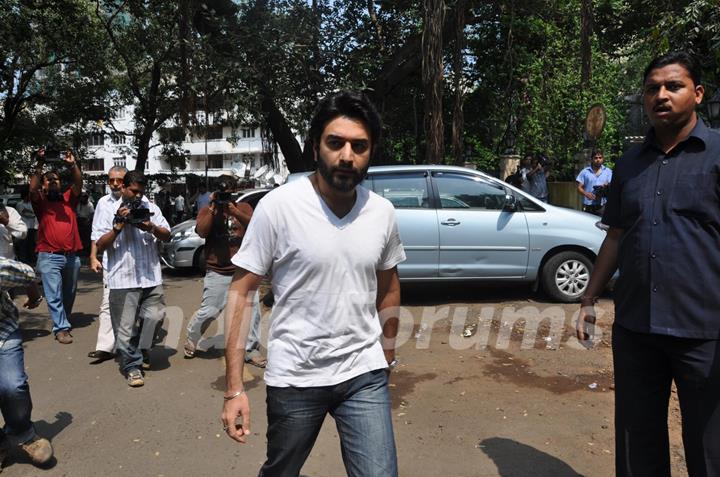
pixel 405 191
pixel 459 191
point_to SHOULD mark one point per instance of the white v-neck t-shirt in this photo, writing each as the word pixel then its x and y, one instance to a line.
pixel 324 327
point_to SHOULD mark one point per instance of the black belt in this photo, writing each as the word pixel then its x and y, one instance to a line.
pixel 63 252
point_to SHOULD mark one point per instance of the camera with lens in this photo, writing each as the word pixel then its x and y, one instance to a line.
pixel 542 159
pixel 56 152
pixel 222 196
pixel 138 212
pixel 600 191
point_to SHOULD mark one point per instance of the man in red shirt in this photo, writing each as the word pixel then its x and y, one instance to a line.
pixel 58 240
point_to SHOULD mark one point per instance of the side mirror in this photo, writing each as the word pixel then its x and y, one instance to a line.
pixel 510 203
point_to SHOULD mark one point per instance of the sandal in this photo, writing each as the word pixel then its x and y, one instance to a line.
pixel 189 350
pixel 256 359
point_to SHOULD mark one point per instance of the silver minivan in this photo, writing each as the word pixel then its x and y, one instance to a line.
pixel 460 224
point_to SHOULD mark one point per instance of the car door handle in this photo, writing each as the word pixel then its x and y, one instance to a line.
pixel 450 222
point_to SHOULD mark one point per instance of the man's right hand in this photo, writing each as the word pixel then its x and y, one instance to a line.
pixel 95 265
pixel 4 217
pixel 232 409
pixel 122 212
pixel 590 195
pixel 586 322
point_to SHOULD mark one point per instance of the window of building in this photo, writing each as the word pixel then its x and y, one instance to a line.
pixel 119 161
pixel 93 165
pixel 215 161
pixel 248 133
pixel 96 139
pixel 118 138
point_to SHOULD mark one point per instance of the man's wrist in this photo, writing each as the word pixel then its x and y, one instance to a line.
pixel 233 394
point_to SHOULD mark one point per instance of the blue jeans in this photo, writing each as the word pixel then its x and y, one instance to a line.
pixel 361 409
pixel 214 299
pixel 59 277
pixel 15 402
pixel 136 314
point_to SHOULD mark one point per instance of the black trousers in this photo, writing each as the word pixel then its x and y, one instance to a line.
pixel 645 367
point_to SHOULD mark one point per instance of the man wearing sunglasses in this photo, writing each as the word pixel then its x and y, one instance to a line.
pixel 105 345
pixel 333 249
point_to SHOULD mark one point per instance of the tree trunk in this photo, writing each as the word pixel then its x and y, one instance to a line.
pixel 585 47
pixel 283 135
pixel 458 124
pixel 143 147
pixel 432 75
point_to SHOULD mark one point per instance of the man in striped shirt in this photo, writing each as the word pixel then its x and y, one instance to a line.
pixel 15 402
pixel 133 272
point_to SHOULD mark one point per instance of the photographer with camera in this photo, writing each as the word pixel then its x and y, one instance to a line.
pixel 129 233
pixel 593 183
pixel 58 239
pixel 537 176
pixel 222 224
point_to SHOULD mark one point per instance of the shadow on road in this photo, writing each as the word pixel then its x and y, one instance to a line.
pixel 514 459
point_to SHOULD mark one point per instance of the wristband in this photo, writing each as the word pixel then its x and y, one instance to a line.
pixel 234 395
pixel 592 299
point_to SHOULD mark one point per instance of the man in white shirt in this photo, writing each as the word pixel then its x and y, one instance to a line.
pixel 12 228
pixel 129 234
pixel 25 249
pixel 105 344
pixel 333 249
pixel 179 208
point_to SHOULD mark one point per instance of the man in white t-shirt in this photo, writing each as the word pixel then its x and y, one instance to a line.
pixel 333 249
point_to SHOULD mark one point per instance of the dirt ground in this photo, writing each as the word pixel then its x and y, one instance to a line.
pixel 476 394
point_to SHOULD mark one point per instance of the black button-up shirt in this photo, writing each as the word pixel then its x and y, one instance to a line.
pixel 668 206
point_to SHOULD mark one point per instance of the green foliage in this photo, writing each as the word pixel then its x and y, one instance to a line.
pixel 66 63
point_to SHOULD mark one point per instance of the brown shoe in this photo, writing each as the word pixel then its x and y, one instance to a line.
pixel 39 450
pixel 64 337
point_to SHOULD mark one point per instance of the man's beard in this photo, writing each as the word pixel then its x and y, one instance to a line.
pixel 340 184
pixel 116 193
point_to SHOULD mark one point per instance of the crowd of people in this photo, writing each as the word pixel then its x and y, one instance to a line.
pixel 123 232
pixel 333 258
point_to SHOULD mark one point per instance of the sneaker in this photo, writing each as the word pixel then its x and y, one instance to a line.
pixel 135 378
pixel 64 337
pixel 189 349
pixel 146 359
pixel 39 450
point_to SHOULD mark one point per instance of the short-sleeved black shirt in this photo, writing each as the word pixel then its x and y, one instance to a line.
pixel 668 206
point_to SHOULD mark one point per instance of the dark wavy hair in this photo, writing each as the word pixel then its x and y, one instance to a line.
pixel 352 104
pixel 682 58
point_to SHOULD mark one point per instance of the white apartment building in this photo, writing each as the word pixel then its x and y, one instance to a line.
pixel 224 151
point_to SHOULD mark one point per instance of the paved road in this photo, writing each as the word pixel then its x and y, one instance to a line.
pixel 513 408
